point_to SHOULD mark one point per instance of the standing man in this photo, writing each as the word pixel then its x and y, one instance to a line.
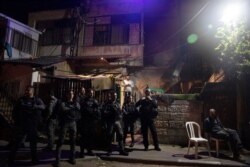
pixel 52 118
pixel 67 121
pixel 113 117
pixel 81 95
pixel 130 113
pixel 148 112
pixel 80 98
pixel 27 114
pixel 214 127
pixel 90 114
pixel 128 86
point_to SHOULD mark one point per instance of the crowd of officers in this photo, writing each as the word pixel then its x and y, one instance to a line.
pixel 77 114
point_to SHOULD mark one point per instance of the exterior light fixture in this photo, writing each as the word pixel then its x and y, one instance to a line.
pixel 233 12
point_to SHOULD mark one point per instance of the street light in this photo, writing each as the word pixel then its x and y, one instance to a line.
pixel 234 12
pixel 233 34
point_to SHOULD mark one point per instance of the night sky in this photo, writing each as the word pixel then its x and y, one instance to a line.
pixel 19 9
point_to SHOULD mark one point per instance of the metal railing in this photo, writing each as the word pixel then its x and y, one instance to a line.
pixel 9 92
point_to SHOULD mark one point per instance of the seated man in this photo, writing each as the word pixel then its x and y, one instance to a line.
pixel 214 127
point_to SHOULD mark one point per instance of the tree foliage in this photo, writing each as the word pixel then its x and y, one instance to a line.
pixel 234 45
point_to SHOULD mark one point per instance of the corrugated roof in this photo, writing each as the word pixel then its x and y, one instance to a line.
pixel 37 62
pixel 18 22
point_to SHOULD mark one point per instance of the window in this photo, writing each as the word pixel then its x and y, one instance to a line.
pixel 23 42
pixel 102 35
pixel 26 46
pixel 113 30
pixel 56 32
pixel 120 34
pixel 17 40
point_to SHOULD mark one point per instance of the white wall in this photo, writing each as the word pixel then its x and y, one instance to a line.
pixel 24 29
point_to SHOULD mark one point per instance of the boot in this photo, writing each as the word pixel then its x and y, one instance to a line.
pixel 109 151
pixel 122 152
pixel 34 160
pixel 90 153
pixel 58 157
pixel 157 148
pixel 57 164
pixel 72 152
pixel 132 141
pixel 82 155
pixel 121 147
pixel 237 157
pixel 72 160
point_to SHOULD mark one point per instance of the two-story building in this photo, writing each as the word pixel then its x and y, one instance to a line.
pixel 20 64
pixel 18 45
pixel 102 38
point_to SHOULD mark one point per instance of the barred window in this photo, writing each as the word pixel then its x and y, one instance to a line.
pixel 102 35
pixel 113 30
pixel 23 42
pixel 56 32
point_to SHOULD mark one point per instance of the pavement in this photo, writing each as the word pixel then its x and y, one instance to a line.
pixel 176 155
pixel 169 155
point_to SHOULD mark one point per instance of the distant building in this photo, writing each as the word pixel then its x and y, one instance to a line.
pixel 99 39
pixel 19 44
pixel 18 41
pixel 18 47
pixel 110 30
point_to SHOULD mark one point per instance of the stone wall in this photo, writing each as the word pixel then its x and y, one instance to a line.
pixel 171 120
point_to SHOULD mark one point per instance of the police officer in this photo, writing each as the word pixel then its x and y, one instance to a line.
pixel 147 112
pixel 67 121
pixel 129 117
pixel 113 117
pixel 52 116
pixel 80 98
pixel 27 114
pixel 82 94
pixel 89 116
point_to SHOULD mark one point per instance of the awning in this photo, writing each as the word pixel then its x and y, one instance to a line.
pixel 44 61
pixel 98 82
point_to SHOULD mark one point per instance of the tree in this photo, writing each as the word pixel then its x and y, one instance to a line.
pixel 234 47
pixel 234 55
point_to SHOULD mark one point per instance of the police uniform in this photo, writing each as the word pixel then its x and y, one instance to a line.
pixel 52 121
pixel 113 118
pixel 89 115
pixel 147 113
pixel 129 117
pixel 27 115
pixel 67 121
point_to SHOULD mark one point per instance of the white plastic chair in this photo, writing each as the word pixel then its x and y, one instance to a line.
pixel 194 135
